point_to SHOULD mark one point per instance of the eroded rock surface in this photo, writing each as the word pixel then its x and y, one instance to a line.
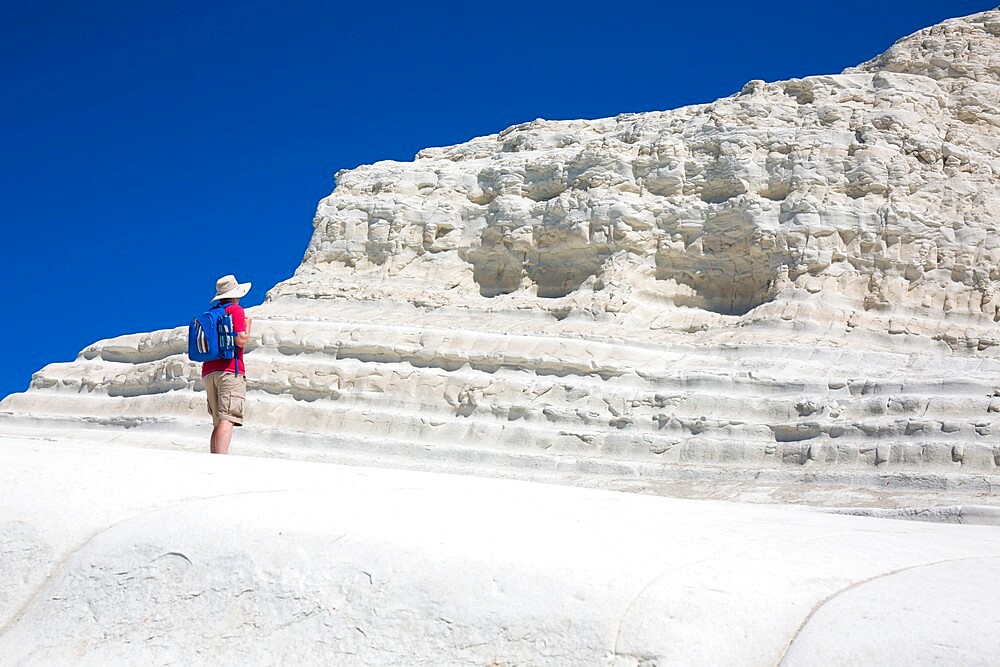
pixel 870 194
pixel 801 276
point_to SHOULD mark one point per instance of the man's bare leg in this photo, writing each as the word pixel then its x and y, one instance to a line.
pixel 222 434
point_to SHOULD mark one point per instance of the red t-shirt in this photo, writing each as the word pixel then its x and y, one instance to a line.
pixel 229 365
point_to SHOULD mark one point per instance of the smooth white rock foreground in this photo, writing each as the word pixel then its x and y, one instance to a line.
pixel 120 555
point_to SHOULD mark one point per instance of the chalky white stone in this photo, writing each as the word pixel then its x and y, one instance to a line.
pixel 789 294
pixel 800 278
pixel 199 559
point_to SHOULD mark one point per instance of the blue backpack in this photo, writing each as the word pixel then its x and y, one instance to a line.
pixel 211 336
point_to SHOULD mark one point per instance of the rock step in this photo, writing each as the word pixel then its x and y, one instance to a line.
pixel 624 404
pixel 378 415
pixel 700 382
pixel 467 343
pixel 627 400
pixel 335 433
pixel 917 418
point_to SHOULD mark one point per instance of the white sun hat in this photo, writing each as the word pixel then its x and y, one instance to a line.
pixel 226 287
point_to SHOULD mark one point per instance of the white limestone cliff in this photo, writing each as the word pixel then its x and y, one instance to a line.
pixel 785 295
pixel 800 279
pixel 862 200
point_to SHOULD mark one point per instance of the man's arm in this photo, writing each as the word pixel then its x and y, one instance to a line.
pixel 243 336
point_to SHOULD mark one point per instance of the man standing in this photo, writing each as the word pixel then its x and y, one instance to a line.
pixel 225 379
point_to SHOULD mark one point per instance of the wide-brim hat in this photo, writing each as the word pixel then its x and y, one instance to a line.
pixel 226 287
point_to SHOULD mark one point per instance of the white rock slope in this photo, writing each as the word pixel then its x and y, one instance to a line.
pixel 801 277
pixel 195 559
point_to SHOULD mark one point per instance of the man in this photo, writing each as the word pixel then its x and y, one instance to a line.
pixel 225 379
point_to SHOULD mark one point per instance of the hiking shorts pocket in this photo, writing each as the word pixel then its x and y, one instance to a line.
pixel 226 396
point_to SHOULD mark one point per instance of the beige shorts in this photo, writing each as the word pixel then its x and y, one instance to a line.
pixel 226 395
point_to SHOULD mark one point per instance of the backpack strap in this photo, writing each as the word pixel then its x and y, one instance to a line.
pixel 236 361
pixel 236 353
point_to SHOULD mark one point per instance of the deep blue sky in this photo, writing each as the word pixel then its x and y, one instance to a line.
pixel 148 148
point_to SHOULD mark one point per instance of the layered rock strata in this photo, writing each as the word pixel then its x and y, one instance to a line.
pixel 800 277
